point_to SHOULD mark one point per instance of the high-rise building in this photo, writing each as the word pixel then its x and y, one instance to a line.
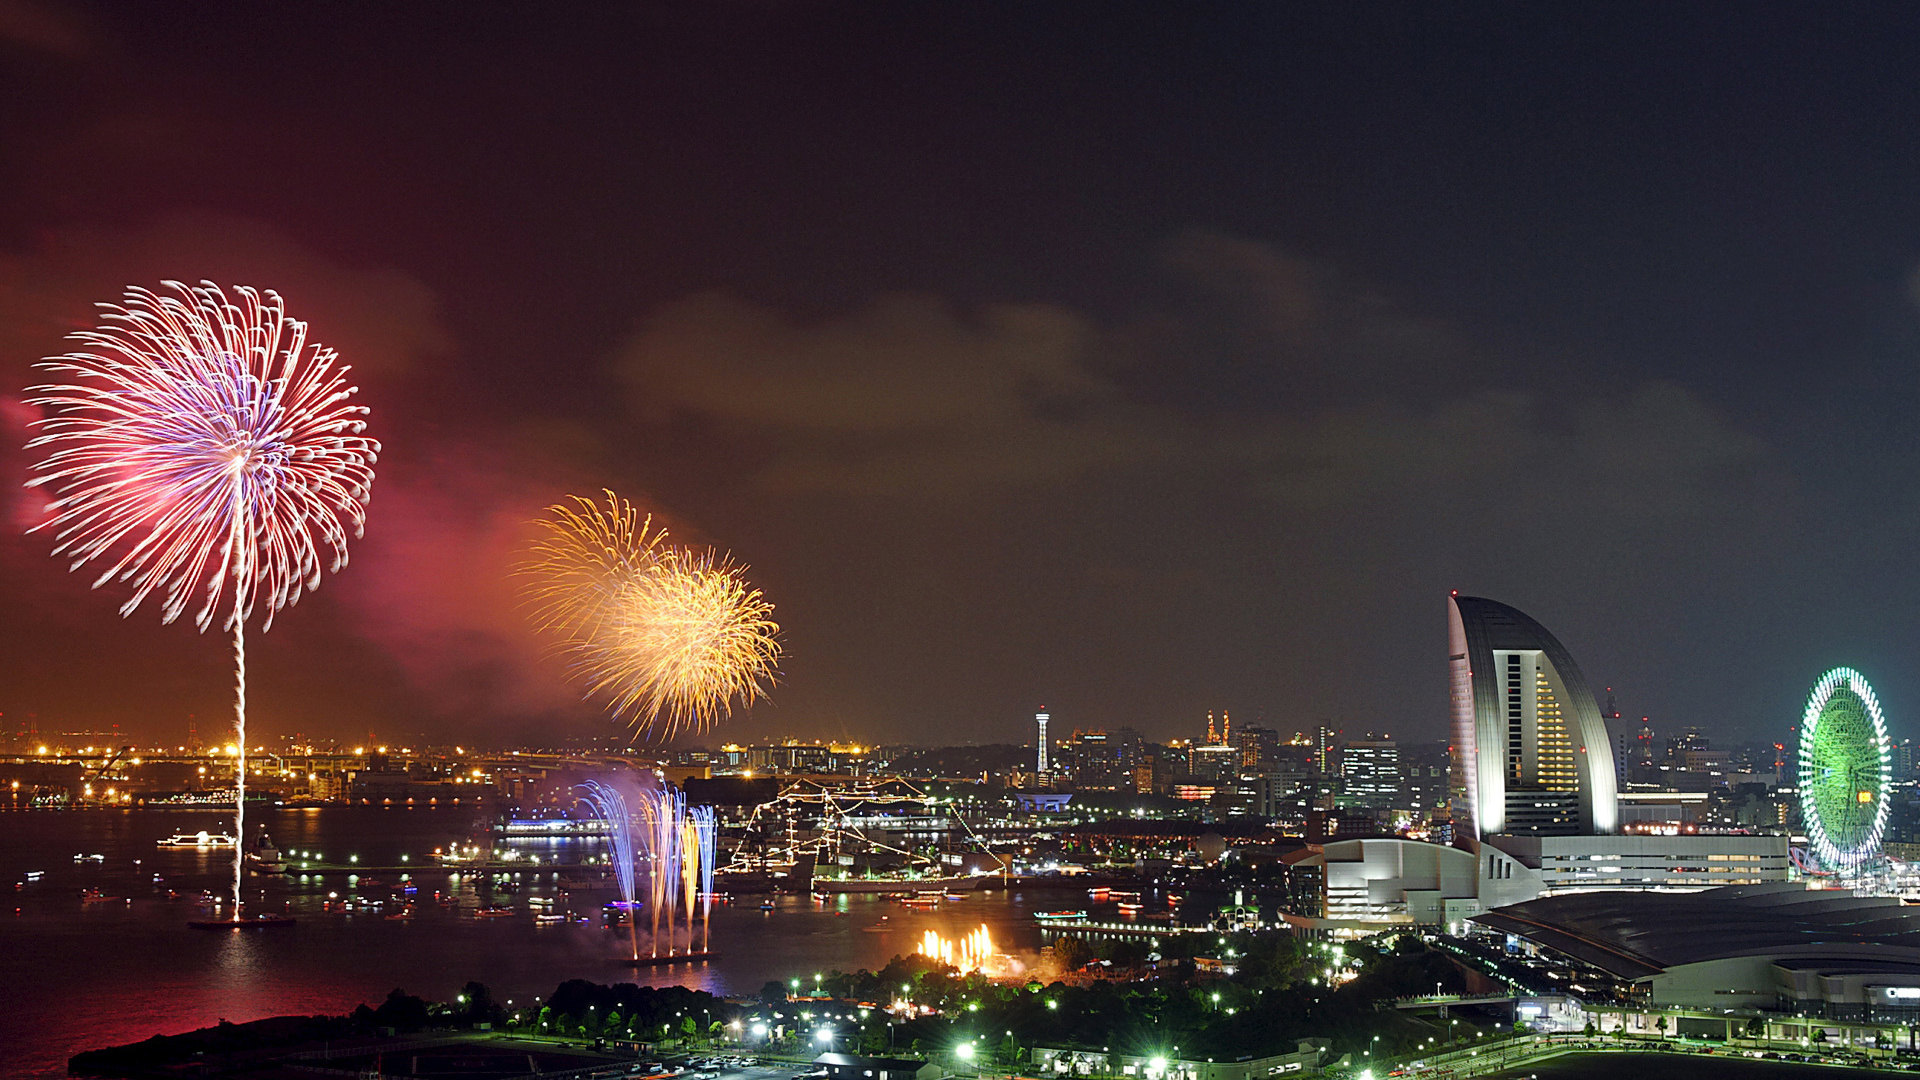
pixel 1040 718
pixel 1325 738
pixel 1530 749
pixel 1370 774
pixel 1258 746
pixel 1423 778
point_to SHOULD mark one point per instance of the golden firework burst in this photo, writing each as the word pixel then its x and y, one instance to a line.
pixel 667 637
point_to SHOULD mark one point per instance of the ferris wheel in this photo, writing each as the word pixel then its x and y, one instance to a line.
pixel 1845 770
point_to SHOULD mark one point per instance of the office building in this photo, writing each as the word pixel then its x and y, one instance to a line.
pixel 1370 775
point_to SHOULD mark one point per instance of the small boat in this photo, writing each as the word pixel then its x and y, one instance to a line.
pixel 493 913
pixel 266 858
pixel 1130 908
pixel 36 875
pixel 1061 915
pixel 245 922
pixel 548 918
pixel 766 905
pixel 95 896
pixel 401 915
pixel 956 896
pixel 90 858
pixel 201 839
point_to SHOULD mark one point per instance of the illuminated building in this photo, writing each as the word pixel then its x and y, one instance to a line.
pixel 1521 867
pixel 1530 750
pixel 1370 775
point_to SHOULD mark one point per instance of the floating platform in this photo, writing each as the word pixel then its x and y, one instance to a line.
pixel 658 961
pixel 250 922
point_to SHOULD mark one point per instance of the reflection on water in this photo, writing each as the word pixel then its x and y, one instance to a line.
pixel 237 964
pixel 104 973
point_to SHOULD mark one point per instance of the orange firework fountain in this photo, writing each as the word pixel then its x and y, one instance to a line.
pixel 970 953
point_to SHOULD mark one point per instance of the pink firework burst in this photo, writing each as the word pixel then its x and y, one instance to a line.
pixel 201 443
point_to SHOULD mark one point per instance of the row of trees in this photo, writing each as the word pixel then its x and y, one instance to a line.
pixel 1277 995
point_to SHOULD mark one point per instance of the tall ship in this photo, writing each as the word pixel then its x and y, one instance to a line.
pixel 881 836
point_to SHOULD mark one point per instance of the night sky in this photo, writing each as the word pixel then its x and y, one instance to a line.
pixel 1138 360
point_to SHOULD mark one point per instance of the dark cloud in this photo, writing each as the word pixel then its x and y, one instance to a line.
pixel 382 321
pixel 903 396
pixel 44 28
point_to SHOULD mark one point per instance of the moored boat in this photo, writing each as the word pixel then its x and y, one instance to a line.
pixel 265 857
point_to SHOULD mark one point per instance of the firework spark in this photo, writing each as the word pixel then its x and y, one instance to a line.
pixel 203 449
pixel 585 555
pixel 666 637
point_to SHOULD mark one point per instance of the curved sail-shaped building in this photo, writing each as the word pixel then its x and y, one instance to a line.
pixel 1530 751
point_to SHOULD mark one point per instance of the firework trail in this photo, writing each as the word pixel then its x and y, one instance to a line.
pixel 204 451
pixel 665 810
pixel 689 871
pixel 611 806
pixel 666 637
pixel 706 830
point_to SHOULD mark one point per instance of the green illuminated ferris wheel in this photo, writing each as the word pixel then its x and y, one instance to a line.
pixel 1845 770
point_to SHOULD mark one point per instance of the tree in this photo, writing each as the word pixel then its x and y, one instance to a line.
pixel 401 1012
pixel 477 1006
pixel 1071 952
pixel 773 992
